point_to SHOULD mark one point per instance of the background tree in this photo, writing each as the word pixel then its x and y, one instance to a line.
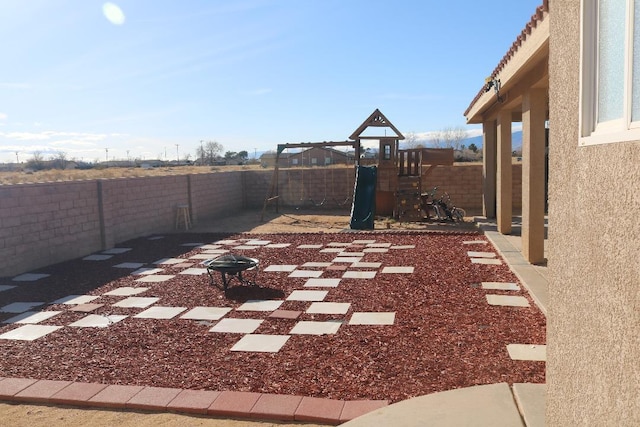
pixel 243 155
pixel 59 161
pixel 36 162
pixel 473 147
pixel 209 151
pixel 230 155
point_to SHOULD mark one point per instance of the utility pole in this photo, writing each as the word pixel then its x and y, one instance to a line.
pixel 17 158
pixel 106 157
pixel 255 154
pixel 177 154
pixel 201 153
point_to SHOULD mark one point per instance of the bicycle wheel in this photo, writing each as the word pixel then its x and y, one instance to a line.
pixel 458 214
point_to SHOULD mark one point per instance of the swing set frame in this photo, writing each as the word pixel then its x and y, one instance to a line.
pixel 273 196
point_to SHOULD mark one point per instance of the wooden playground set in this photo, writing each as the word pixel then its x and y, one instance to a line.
pixel 391 187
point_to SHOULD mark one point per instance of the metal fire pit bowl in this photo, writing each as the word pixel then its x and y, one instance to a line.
pixel 230 266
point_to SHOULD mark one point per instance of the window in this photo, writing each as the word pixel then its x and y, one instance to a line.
pixel 294 161
pixel 610 71
pixel 387 152
pixel 327 160
pixel 314 161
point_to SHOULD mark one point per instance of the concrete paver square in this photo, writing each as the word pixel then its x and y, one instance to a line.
pixel 365 242
pixel 136 302
pixel 316 264
pixel 160 312
pixel 245 247
pixel 375 250
pixel 322 283
pixel 507 300
pixel 474 254
pixel 195 271
pixel 335 267
pixel 154 278
pixel 204 256
pixel 257 242
pixel 126 291
pixel 281 267
pixel 214 252
pixel 29 277
pixel 309 246
pixel 373 318
pixel 98 321
pixel 366 265
pixel 286 314
pixel 210 247
pixel 488 261
pixel 331 250
pixel 339 244
pixel 351 254
pixel 260 305
pixel 226 242
pixel 261 343
pixel 237 326
pixel 29 332
pixel 131 265
pixel 206 313
pixel 97 257
pixel 145 271
pixel 278 245
pixel 346 259
pixel 86 308
pixel 6 287
pixel 329 307
pixel 398 270
pixel 76 299
pixel 32 317
pixel 306 273
pixel 537 352
pixel 359 274
pixel 503 286
pixel 311 327
pixel 475 242
pixel 307 295
pixel 403 247
pixel 378 245
pixel 116 251
pixel 19 307
pixel 169 261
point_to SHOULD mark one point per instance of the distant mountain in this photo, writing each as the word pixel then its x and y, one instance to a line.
pixel 516 141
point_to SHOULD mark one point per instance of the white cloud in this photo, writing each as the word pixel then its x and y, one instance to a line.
pixel 3 116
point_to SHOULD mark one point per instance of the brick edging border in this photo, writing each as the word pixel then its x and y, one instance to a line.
pixel 259 406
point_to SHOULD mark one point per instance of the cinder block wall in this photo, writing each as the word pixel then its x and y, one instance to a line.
pixel 463 182
pixel 135 207
pixel 41 224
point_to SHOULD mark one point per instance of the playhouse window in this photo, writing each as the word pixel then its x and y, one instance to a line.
pixel 387 151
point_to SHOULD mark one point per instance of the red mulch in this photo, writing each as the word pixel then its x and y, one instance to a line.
pixel 445 334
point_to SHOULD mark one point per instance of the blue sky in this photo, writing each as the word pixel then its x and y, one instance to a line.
pixel 82 76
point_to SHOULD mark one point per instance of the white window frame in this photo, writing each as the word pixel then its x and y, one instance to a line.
pixel 618 130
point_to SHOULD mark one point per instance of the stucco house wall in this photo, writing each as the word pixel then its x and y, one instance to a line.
pixel 593 347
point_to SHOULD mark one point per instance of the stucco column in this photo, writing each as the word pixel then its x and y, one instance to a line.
pixel 489 169
pixel 534 105
pixel 504 202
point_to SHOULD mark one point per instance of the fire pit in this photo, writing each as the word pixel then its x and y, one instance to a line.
pixel 230 266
